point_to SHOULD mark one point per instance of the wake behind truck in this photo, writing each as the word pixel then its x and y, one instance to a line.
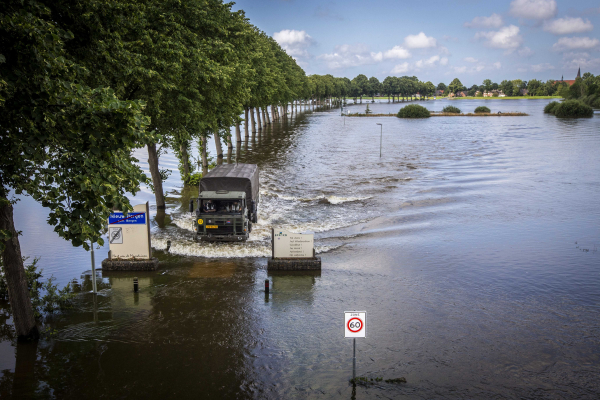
pixel 227 203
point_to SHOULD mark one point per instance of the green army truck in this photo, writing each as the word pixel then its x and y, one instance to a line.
pixel 227 203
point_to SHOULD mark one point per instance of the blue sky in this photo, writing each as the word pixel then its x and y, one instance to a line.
pixel 435 40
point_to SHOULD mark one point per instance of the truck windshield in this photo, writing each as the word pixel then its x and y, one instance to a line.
pixel 221 206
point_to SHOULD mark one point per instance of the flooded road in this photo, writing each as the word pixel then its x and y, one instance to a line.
pixel 472 243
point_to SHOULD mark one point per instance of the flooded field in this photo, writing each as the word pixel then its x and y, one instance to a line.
pixel 472 243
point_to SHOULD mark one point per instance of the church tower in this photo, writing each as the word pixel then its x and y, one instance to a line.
pixel 578 73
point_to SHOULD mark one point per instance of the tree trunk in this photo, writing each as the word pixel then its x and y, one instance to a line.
pixel 238 133
pixel 204 157
pixel 252 119
pixel 16 281
pixel 268 117
pixel 258 118
pixel 156 179
pixel 264 117
pixel 246 133
pixel 185 160
pixel 219 148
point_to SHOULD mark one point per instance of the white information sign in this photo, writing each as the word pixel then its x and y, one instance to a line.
pixel 355 324
pixel 129 235
pixel 292 245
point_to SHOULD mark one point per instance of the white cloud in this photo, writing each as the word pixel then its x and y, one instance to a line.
pixel 507 38
pixel 295 43
pixel 460 70
pixel 576 60
pixel 567 25
pixel 525 52
pixel 471 59
pixel 430 62
pixel 347 55
pixel 574 43
pixel 443 61
pixel 479 68
pixel 420 41
pixel 497 65
pixel 494 21
pixel 533 9
pixel 400 68
pixel 397 52
pixel 541 67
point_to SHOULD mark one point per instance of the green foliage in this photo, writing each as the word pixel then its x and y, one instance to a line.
pixel 451 109
pixel 482 109
pixel 455 86
pixel 414 111
pixel 193 179
pixel 573 109
pixel 549 109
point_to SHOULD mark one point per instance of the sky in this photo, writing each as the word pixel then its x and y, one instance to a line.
pixel 434 40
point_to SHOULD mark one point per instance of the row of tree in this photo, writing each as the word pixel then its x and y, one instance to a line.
pixel 327 86
pixel 82 84
pixel 508 87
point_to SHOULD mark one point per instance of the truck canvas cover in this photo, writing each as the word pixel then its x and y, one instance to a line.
pixel 233 177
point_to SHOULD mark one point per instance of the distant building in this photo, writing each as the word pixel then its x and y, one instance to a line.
pixel 523 92
pixel 462 94
pixel 569 81
pixel 439 92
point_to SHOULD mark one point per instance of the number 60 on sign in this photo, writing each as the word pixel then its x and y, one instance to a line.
pixel 355 324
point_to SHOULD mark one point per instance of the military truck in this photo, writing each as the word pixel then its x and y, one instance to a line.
pixel 227 203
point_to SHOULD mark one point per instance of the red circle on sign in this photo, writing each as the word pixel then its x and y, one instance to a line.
pixel 352 330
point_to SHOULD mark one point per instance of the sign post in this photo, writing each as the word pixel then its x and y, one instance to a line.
pixel 355 325
pixel 292 251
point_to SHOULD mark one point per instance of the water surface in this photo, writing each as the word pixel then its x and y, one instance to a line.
pixel 471 242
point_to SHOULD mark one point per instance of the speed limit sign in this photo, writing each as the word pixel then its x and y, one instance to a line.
pixel 355 324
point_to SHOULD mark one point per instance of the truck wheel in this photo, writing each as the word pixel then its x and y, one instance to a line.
pixel 249 226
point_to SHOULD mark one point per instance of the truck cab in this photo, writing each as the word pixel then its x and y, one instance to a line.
pixel 222 216
pixel 227 203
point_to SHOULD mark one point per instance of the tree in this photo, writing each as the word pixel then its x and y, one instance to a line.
pixel 360 86
pixel 518 84
pixel 442 86
pixel 374 86
pixel 65 143
pixel 487 85
pixel 534 86
pixel 507 87
pixel 455 86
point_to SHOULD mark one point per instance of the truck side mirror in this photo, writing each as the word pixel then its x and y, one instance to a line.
pixel 191 205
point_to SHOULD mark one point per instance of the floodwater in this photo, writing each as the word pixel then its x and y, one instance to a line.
pixel 472 243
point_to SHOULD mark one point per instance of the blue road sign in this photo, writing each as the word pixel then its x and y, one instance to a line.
pixel 117 218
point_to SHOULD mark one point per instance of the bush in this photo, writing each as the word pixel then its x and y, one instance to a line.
pixel 414 111
pixel 451 109
pixel 482 109
pixel 573 109
pixel 549 109
pixel 596 103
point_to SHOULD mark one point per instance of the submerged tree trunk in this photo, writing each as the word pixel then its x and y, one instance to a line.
pixel 14 272
pixel 264 117
pixel 246 133
pixel 204 157
pixel 252 119
pixel 156 179
pixel 238 133
pixel 268 116
pixel 258 118
pixel 219 148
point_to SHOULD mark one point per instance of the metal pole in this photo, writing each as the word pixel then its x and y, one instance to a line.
pixel 380 139
pixel 354 360
pixel 93 271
